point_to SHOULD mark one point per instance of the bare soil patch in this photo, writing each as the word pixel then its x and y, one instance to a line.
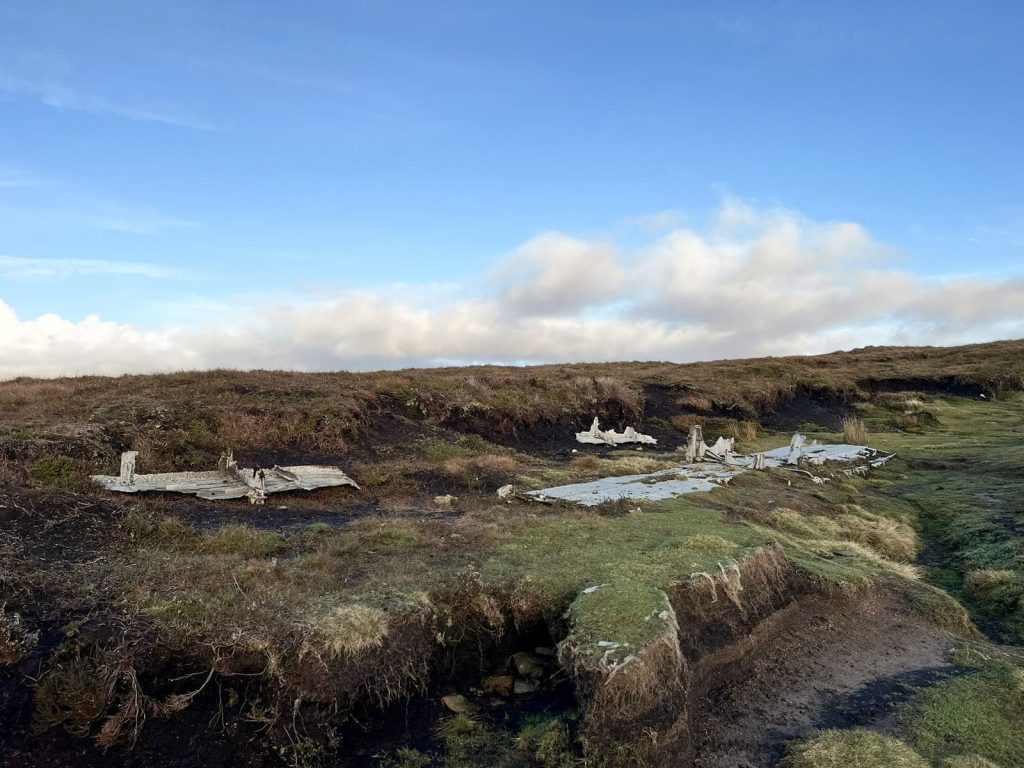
pixel 809 675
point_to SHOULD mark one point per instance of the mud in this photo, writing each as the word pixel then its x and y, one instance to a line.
pixel 831 662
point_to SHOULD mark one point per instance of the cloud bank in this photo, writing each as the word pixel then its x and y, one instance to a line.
pixel 752 282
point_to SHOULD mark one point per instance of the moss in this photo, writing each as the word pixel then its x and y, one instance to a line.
pixel 853 748
pixel 60 472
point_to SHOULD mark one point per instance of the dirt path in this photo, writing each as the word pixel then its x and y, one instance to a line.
pixel 832 667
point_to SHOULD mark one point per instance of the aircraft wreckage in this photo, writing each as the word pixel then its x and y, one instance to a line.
pixel 597 436
pixel 710 466
pixel 228 481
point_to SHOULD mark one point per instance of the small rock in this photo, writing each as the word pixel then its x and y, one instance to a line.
pixel 445 501
pixel 499 684
pixel 549 653
pixel 505 491
pixel 458 704
pixel 523 687
pixel 528 665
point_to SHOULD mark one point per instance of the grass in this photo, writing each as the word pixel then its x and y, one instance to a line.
pixel 353 628
pixel 854 431
pixel 980 715
pixel 612 623
pixel 963 476
pixel 973 720
pixel 853 748
pixel 542 741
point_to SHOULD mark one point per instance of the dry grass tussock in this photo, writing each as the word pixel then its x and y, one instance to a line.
pixel 350 629
pixel 854 431
pixel 986 579
pixel 854 747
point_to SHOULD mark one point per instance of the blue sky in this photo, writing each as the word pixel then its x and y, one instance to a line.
pixel 171 167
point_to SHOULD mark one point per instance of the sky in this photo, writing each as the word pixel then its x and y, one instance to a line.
pixel 363 185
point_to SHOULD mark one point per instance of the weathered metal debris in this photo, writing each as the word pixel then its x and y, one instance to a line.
pixel 228 481
pixel 707 467
pixel 597 436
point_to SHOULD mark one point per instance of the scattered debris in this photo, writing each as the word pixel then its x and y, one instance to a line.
pixel 707 467
pixel 228 481
pixel 597 436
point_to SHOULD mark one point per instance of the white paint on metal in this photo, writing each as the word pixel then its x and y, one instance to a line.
pixel 707 474
pixel 597 436
pixel 228 481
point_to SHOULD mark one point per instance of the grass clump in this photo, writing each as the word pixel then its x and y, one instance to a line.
pixel 15 641
pixel 546 742
pixel 242 541
pixel 852 748
pixel 471 744
pixel 854 431
pixel 349 629
pixel 60 472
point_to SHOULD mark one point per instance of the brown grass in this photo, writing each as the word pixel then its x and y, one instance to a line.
pixel 854 431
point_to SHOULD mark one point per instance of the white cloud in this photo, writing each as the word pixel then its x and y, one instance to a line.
pixel 27 268
pixel 754 282
pixel 554 274
pixel 60 96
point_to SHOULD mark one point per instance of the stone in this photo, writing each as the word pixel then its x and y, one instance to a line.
pixel 524 687
pixel 499 684
pixel 458 704
pixel 446 501
pixel 528 665
pixel 546 652
pixel 506 491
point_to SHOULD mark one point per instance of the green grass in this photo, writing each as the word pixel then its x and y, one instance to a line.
pixel 556 556
pixel 59 472
pixel 972 720
pixel 980 715
pixel 617 621
pixel 964 476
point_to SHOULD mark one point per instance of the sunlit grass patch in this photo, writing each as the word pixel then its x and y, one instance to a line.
pixel 352 628
pixel 853 748
pixel 981 715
